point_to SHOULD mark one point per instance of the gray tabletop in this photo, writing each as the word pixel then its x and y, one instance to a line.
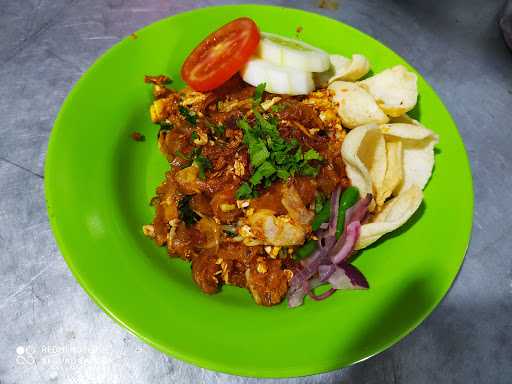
pixel 51 332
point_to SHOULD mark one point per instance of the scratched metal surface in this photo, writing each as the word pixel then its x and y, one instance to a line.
pixel 51 332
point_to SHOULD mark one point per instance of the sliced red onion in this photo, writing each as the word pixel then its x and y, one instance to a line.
pixel 327 235
pixel 345 245
pixel 358 211
pixel 346 276
pixel 317 283
pixel 322 296
pixel 310 268
pixel 335 205
pixel 329 260
pixel 318 257
pixel 325 271
pixel 296 298
pixel 343 248
pixel 298 277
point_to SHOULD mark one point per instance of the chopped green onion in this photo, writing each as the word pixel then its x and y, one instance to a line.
pixel 185 212
pixel 244 191
pixel 190 116
pixel 258 93
pixel 203 163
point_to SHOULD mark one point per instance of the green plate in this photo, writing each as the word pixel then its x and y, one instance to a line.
pixel 99 182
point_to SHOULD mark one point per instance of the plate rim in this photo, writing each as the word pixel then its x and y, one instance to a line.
pixel 213 364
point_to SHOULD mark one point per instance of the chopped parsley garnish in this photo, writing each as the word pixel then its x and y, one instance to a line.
pixel 219 129
pixel 308 170
pixel 165 126
pixel 258 152
pixel 190 116
pixel 244 191
pixel 196 151
pixel 187 214
pixel 258 93
pixel 265 170
pixel 194 136
pixel 195 157
pixel 203 163
pixel 312 155
pixel 230 232
pixel 272 157
pixel 278 108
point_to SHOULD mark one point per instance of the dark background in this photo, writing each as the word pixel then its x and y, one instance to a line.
pixel 51 332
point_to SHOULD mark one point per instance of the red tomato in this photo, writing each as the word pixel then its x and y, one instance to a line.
pixel 221 54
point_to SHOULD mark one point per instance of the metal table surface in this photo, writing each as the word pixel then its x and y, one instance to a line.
pixel 51 332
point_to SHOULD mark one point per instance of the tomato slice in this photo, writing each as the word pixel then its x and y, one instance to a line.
pixel 222 54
